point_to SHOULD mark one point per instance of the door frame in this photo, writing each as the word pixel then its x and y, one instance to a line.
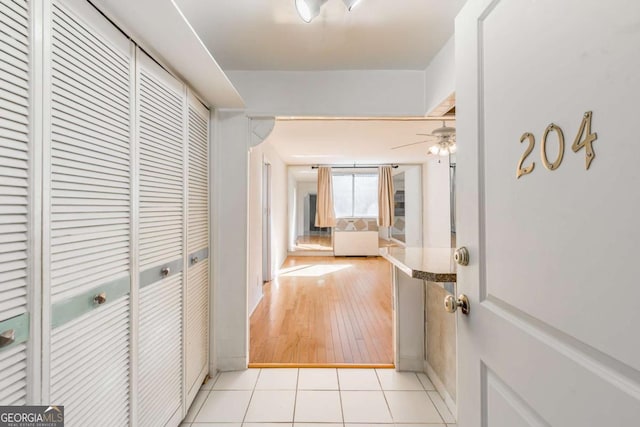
pixel 267 268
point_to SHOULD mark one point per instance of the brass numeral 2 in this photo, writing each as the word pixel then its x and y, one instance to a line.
pixel 532 142
pixel 578 144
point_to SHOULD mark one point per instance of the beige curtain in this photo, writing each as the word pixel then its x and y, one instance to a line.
pixel 385 197
pixel 325 215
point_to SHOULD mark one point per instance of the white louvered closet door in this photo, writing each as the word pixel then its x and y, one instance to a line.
pixel 88 207
pixel 161 135
pixel 16 190
pixel 197 293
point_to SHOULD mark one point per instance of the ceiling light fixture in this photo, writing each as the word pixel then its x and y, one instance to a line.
pixel 443 148
pixel 351 4
pixel 309 9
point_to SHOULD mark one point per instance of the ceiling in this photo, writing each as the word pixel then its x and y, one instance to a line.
pixel 375 35
pixel 348 141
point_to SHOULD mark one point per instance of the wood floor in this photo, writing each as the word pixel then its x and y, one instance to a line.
pixel 325 310
pixel 313 243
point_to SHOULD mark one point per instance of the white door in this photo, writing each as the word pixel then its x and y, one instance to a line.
pixel 16 203
pixel 87 214
pixel 552 337
pixel 196 306
pixel 161 177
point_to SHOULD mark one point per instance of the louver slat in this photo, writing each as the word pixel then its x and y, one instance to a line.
pixel 197 330
pixel 197 295
pixel 14 172
pixel 14 189
pixel 198 230
pixel 90 216
pixel 161 173
pixel 90 161
pixel 160 347
pixel 90 365
pixel 160 114
pixel 13 375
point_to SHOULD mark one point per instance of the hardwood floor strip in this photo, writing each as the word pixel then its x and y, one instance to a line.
pixel 330 311
pixel 324 365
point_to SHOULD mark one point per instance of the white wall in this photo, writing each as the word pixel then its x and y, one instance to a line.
pixel 292 189
pixel 229 246
pixel 413 207
pixel 265 153
pixel 440 76
pixel 332 93
pixel 436 216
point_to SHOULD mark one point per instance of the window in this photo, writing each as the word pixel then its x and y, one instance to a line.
pixel 355 195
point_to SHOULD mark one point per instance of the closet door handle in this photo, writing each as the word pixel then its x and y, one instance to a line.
pixel 194 260
pixel 165 271
pixel 7 337
pixel 100 299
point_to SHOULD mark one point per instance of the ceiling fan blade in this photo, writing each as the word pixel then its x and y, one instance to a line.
pixel 407 145
pixel 427 134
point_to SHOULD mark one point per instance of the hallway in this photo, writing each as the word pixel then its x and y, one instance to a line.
pixel 333 397
pixel 325 310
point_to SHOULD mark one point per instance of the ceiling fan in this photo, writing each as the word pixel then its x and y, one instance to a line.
pixel 443 139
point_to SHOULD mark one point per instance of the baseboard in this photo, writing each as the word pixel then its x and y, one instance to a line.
pixel 409 364
pixel 324 365
pixel 232 364
pixel 439 385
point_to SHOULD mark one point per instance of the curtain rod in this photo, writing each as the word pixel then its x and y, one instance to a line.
pixel 354 166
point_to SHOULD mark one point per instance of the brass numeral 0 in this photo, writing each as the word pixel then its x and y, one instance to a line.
pixel 543 147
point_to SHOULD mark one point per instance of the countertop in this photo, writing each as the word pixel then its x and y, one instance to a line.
pixel 431 264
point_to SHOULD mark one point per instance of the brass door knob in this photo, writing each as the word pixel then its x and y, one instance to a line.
pixel 165 271
pixel 100 299
pixel 451 304
pixel 461 256
pixel 7 337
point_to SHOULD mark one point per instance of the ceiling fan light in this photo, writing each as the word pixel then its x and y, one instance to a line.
pixel 444 152
pixel 350 4
pixel 453 148
pixel 308 9
pixel 434 150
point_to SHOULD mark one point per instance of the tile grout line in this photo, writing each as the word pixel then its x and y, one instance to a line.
pixel 253 390
pixel 430 399
pixel 393 421
pixel 295 397
pixel 340 396
pixel 213 382
pixel 436 406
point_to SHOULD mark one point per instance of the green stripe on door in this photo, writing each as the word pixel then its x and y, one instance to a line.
pixel 154 274
pixel 198 256
pixel 67 310
pixel 16 327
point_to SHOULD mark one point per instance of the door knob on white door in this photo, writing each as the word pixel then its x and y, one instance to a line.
pixel 461 256
pixel 451 304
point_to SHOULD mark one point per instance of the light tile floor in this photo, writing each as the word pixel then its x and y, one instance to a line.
pixel 318 398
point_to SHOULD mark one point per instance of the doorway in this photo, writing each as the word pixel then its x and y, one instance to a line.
pixel 307 239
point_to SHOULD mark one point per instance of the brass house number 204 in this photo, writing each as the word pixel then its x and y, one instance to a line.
pixel 584 139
